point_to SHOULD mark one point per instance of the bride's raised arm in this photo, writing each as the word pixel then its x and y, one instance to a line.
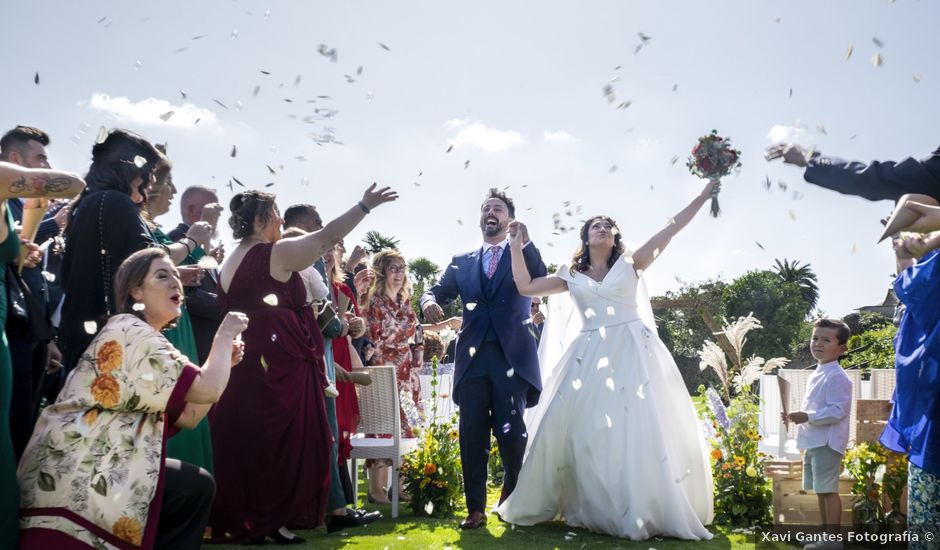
pixel 645 255
pixel 525 284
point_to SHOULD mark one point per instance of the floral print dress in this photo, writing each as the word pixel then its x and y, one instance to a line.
pixel 391 326
pixel 93 468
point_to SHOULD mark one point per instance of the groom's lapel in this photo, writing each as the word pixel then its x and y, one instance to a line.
pixel 475 265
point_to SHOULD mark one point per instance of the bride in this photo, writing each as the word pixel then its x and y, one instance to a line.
pixel 615 445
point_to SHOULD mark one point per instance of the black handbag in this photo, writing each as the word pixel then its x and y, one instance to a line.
pixel 25 314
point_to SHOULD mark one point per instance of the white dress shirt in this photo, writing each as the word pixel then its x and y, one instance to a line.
pixel 828 402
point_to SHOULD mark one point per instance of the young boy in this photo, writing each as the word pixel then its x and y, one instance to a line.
pixel 823 431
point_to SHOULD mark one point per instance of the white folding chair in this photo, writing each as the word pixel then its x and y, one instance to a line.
pixel 379 414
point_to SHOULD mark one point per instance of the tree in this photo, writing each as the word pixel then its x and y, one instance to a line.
pixel 376 242
pixel 803 277
pixel 777 303
pixel 683 330
pixel 423 270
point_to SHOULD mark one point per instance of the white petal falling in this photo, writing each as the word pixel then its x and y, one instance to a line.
pixel 611 311
pixel 473 351
pixel 639 391
pixel 139 306
pixel 603 363
pixel 510 373
pixel 602 331
pixel 576 384
pixel 610 384
pixel 91 327
pixel 429 508
pixel 139 161
pixel 589 313
pixel 471 306
pixel 610 423
pixel 270 299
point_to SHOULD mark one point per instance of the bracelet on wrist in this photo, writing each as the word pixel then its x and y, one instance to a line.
pixel 364 208
pixel 189 249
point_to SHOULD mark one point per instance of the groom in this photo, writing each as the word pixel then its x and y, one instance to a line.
pixel 497 371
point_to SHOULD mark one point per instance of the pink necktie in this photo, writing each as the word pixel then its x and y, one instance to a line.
pixel 495 252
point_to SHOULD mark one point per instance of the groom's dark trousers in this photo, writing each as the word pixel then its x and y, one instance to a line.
pixel 490 400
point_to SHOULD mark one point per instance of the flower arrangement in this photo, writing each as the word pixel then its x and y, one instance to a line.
pixel 863 462
pixel 432 472
pixel 743 495
pixel 895 478
pixel 742 492
pixel 713 158
pixel 866 464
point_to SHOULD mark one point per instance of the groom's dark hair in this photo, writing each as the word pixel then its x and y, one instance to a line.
pixel 495 193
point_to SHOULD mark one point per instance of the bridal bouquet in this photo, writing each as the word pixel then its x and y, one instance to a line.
pixel 713 158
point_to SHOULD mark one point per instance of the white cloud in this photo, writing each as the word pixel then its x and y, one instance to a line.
pixel 786 134
pixel 484 137
pixel 559 136
pixel 456 123
pixel 149 111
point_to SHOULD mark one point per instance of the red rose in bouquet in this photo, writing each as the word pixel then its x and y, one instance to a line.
pixel 712 158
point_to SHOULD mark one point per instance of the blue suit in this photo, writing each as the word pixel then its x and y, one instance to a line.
pixel 877 180
pixel 496 371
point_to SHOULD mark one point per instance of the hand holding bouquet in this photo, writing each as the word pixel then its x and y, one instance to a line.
pixel 712 158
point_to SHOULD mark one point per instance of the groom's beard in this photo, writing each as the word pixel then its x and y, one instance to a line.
pixel 494 230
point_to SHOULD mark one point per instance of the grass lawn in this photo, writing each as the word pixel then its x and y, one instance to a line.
pixel 409 531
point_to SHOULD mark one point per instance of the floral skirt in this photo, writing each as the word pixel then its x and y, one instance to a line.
pixel 923 505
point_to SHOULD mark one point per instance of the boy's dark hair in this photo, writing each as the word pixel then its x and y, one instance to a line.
pixel 19 137
pixel 497 194
pixel 842 330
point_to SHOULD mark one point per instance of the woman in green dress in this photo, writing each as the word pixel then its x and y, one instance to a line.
pixel 195 445
pixel 23 183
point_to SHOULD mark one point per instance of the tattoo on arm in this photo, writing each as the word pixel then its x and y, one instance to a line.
pixel 51 184
pixel 18 186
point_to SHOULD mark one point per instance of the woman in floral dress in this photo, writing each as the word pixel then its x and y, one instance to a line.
pixel 392 323
pixel 94 474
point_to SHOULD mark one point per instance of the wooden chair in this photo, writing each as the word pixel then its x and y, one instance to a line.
pixel 379 414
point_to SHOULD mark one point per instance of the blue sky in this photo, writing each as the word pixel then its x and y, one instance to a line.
pixel 517 89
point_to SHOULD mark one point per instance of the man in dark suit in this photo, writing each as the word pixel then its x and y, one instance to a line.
pixel 875 181
pixel 496 373
pixel 200 203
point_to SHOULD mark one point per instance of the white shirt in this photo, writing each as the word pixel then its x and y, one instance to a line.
pixel 828 402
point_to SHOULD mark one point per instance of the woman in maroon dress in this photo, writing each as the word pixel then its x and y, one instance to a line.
pixel 270 437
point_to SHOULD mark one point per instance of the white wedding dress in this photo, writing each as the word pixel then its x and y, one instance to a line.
pixel 614 443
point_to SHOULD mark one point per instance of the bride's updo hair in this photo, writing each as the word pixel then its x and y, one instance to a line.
pixel 246 208
pixel 582 258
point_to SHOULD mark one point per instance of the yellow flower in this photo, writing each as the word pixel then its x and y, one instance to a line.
pixel 110 356
pixel 106 390
pixel 751 471
pixel 739 461
pixel 128 529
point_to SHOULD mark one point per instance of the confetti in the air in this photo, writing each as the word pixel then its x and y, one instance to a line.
pixel 91 327
pixel 270 299
pixel 139 306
